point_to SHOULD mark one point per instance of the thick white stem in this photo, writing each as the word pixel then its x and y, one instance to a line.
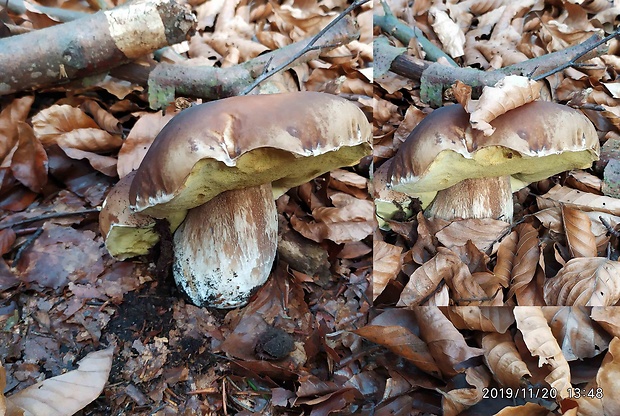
pixel 474 198
pixel 225 248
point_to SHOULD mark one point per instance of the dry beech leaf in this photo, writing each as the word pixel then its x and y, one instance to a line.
pixel 529 409
pixel 104 164
pixel 465 287
pixel 7 238
pixel 424 280
pixel 446 344
pixel 64 395
pixel 350 219
pixel 457 400
pixel 526 259
pixel 402 342
pixel 13 113
pixel 540 342
pixel 29 162
pixel 608 378
pixel 71 127
pixel 576 333
pixel 476 318
pixel 608 318
pixel 585 281
pixel 506 254
pixel 577 199
pixel 482 232
pixel 104 119
pixel 504 360
pixel 551 218
pixel 424 247
pixel 386 265
pixel 449 33
pixel 139 140
pixel 510 93
pixel 577 226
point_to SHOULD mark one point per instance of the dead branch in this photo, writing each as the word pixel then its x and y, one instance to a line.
pixel 210 83
pixel 50 216
pixel 390 24
pixel 91 45
pixel 435 78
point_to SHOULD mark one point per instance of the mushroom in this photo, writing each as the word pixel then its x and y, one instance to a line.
pixel 225 161
pixel 474 175
pixel 126 233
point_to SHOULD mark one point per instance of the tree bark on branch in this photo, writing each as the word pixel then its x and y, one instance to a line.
pixel 435 77
pixel 210 83
pixel 91 45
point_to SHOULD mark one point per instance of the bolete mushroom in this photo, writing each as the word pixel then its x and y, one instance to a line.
pixel 225 161
pixel 127 233
pixel 474 175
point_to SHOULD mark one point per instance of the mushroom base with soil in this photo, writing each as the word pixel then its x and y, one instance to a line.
pixel 225 248
pixel 474 198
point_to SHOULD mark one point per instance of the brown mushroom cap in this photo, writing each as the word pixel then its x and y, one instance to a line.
pixel 530 143
pixel 286 139
pixel 127 233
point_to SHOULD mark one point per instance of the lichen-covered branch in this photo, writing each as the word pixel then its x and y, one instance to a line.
pixel 210 83
pixel 435 78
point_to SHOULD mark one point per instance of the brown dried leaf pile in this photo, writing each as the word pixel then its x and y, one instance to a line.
pixel 62 296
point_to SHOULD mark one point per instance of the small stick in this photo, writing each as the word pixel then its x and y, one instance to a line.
pixel 26 244
pixel 573 61
pixel 49 216
pixel 267 74
pixel 611 230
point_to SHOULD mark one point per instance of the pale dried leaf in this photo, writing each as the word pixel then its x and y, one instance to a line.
pixel 457 400
pixel 349 178
pixel 386 265
pixel 66 394
pixel 608 318
pixel 446 344
pixel 577 199
pixel 449 33
pixel 585 281
pixel 579 236
pixel 510 93
pixel 466 289
pixel 608 378
pixel 350 219
pixel 402 342
pixel 540 342
pixel 482 232
pixel 506 255
pixel 139 141
pixel 13 113
pixel 503 359
pixel 89 140
pixel 104 164
pixel 104 119
pixel 526 258
pixel 29 162
pixel 529 409
pixel 56 120
pixel 425 279
pixel 577 334
pixel 476 318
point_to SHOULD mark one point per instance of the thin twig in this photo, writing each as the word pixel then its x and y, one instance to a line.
pixel 611 230
pixel 267 74
pixel 26 244
pixel 49 216
pixel 573 61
